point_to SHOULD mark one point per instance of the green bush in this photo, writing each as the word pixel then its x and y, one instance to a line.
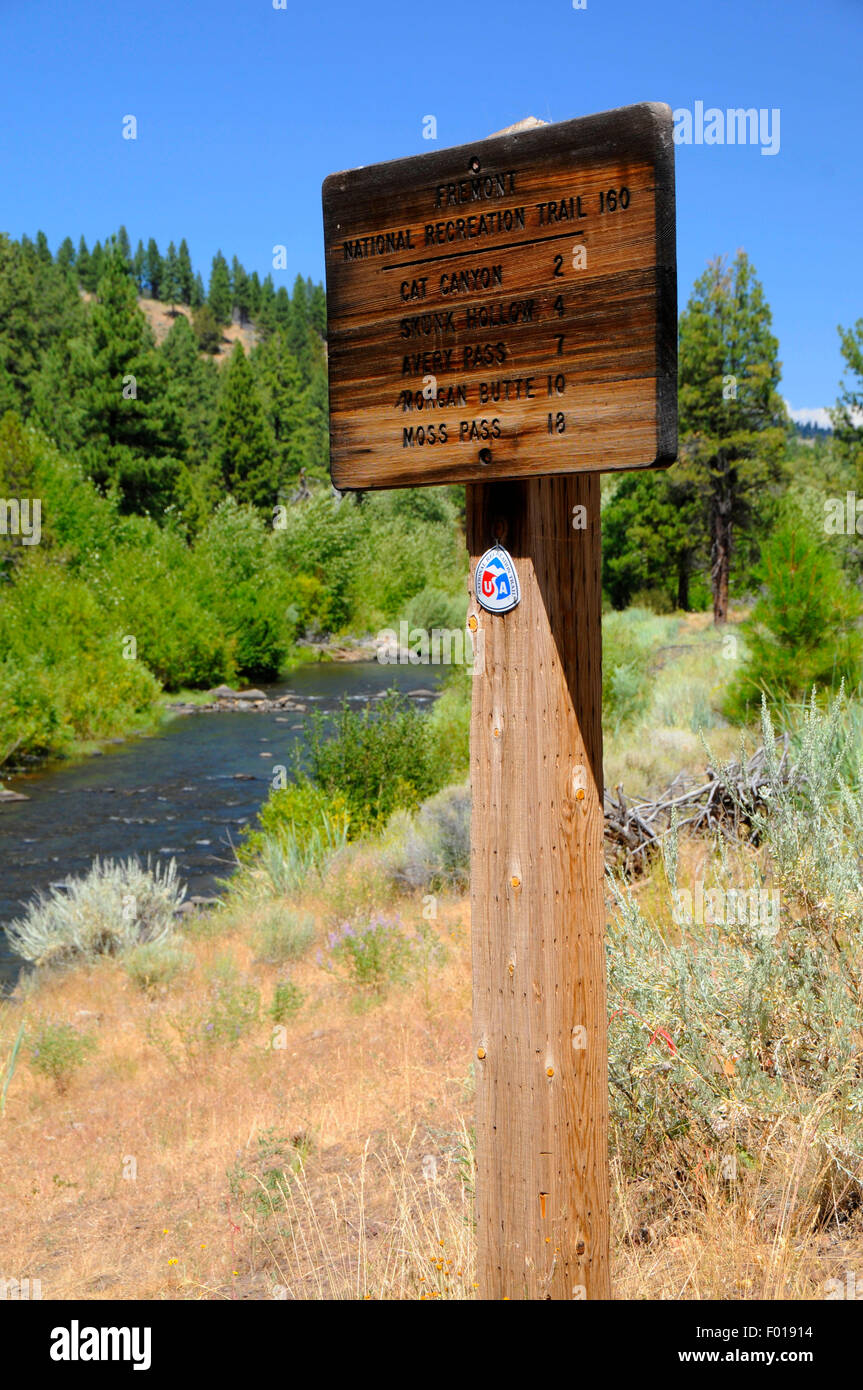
pixel 803 631
pixel 151 580
pixel 449 726
pixel 240 579
pixel 288 999
pixel 301 811
pixel 434 608
pixel 63 675
pixel 57 1050
pixel 321 541
pixel 379 760
pixel 626 652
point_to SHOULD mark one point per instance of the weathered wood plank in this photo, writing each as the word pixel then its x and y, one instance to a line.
pixel 537 910
pixel 507 308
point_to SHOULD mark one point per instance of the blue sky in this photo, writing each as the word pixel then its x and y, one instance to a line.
pixel 242 109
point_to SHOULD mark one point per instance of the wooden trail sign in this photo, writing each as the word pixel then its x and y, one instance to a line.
pixel 504 314
pixel 505 309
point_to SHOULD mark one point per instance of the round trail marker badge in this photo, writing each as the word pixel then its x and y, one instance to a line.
pixel 496 582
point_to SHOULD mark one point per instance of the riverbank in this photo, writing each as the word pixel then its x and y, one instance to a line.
pixel 168 705
pixel 185 790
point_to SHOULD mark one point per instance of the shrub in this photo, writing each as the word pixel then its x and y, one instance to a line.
pixel 302 812
pixel 62 671
pixel 234 1007
pixel 113 908
pixel 239 578
pixel 288 999
pixel 432 851
pixel 155 965
pixel 379 761
pixel 371 956
pixel 284 934
pixel 278 865
pixel 449 727
pixel 57 1050
pixel 434 608
pixel 720 1035
pixel 803 629
pixel 151 580
pixel 626 650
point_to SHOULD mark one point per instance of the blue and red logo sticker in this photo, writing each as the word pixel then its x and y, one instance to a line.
pixel 496 582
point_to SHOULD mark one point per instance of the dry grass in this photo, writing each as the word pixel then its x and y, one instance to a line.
pixel 161 320
pixel 337 1165
pixel 391 1080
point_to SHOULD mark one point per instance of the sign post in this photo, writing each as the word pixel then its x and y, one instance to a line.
pixel 504 315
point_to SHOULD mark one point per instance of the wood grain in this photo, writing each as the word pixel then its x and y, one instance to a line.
pixel 608 327
pixel 537 908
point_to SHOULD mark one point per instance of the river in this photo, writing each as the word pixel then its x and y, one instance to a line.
pixel 184 793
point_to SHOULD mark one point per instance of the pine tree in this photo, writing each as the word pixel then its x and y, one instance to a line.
pixel 154 269
pixel 219 297
pixel 803 630
pixel 199 294
pixel 43 250
pixel 95 268
pixel 242 292
pixel 317 421
pixel 139 267
pixel 171 287
pixel 731 415
pixel 66 254
pixel 848 413
pixel 193 385
pixel 265 316
pixel 39 307
pixel 82 262
pixel 650 537
pixel 208 331
pixel 254 295
pixel 125 247
pixel 318 310
pixel 244 450
pixel 282 314
pixel 281 387
pixel 187 277
pixel 298 329
pixel 127 424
